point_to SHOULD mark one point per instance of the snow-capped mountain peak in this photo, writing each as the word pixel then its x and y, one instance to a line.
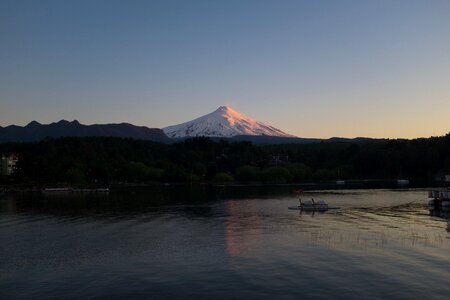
pixel 223 122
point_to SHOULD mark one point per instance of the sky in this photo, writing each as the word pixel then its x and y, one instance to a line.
pixel 310 68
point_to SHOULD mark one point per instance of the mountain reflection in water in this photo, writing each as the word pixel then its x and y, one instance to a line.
pixel 235 242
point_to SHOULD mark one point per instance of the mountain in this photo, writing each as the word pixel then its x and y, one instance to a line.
pixel 223 122
pixel 35 131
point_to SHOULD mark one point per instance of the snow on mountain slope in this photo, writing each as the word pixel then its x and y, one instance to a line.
pixel 223 122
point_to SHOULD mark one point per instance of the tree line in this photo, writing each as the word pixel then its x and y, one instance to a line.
pixel 105 159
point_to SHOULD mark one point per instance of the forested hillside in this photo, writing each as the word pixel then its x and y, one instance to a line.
pixel 105 159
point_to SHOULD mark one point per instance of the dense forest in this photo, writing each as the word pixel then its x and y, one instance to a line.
pixel 105 160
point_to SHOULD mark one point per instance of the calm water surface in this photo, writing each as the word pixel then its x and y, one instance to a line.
pixel 178 243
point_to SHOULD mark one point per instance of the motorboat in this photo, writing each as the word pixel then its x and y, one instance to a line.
pixel 311 205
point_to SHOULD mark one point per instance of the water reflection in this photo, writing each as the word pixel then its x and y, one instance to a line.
pixel 311 213
pixel 243 227
pixel 443 213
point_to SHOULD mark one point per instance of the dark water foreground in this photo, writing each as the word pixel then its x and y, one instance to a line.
pixel 242 243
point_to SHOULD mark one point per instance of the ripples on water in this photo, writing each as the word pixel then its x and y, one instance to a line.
pixel 222 244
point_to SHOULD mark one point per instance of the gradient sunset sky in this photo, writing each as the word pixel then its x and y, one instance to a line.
pixel 310 68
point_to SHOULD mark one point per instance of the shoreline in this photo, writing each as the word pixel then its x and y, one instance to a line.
pixel 117 186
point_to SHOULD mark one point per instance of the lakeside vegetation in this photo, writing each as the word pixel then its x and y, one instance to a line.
pixel 105 160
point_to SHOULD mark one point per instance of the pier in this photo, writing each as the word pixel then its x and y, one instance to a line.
pixel 439 199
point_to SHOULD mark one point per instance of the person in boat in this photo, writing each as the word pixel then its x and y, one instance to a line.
pixel 300 200
pixel 314 203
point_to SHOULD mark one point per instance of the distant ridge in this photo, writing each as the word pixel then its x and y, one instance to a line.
pixel 34 131
pixel 223 122
pixel 276 140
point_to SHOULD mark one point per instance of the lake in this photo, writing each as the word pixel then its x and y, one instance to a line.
pixel 221 243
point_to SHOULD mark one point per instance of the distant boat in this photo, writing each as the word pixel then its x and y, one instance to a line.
pixel 402 182
pixel 58 190
pixel 339 181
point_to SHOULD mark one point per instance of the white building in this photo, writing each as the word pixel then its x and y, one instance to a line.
pixel 8 164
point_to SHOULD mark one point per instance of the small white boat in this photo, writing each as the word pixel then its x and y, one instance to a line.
pixel 58 190
pixel 402 182
pixel 311 205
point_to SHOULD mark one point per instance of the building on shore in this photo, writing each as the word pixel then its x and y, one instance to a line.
pixel 8 163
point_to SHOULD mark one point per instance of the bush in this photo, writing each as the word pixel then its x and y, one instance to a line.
pixel 247 173
pixel 325 174
pixel 300 172
pixel 276 175
pixel 136 171
pixel 223 178
pixel 154 174
pixel 74 175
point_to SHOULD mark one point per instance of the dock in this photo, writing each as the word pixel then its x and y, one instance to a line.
pixel 439 199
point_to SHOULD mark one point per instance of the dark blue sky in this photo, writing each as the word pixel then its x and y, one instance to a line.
pixel 310 68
